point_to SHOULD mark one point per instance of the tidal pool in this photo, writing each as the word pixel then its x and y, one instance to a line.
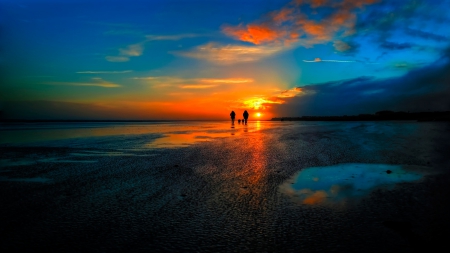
pixel 338 183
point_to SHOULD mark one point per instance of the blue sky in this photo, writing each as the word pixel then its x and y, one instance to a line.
pixel 201 59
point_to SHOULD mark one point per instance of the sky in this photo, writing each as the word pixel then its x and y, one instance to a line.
pixel 201 59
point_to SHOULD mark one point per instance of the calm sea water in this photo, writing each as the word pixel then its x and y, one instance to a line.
pixel 125 134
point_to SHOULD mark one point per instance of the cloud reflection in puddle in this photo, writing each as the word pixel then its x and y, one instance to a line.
pixel 338 183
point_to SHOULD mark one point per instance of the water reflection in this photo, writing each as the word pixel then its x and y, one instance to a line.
pixel 176 140
pixel 118 135
pixel 337 183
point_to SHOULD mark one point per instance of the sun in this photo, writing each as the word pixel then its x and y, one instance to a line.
pixel 258 114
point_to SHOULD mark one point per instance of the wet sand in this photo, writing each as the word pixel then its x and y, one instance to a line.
pixel 226 195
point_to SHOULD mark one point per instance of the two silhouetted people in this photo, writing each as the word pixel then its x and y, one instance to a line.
pixel 232 115
pixel 244 121
pixel 245 116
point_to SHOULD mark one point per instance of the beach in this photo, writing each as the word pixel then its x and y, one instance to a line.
pixel 210 187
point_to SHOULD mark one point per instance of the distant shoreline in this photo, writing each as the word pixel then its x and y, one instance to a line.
pixel 378 116
pixel 90 121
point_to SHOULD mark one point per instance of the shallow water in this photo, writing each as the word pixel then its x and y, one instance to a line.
pixel 151 134
pixel 344 182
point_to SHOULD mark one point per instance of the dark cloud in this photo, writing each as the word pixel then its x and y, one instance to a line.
pixel 426 35
pixel 421 89
pixel 391 18
pixel 395 46
pixel 348 47
pixel 406 65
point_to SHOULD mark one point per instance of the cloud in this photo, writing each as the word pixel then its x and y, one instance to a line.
pixel 290 93
pixel 421 89
pixel 117 58
pixel 266 102
pixel 406 65
pixel 132 50
pixel 260 103
pixel 172 37
pixel 258 34
pixel 98 82
pixel 320 60
pixel 341 46
pixel 290 24
pixel 198 86
pixel 426 35
pixel 127 52
pixel 395 46
pixel 394 19
pixel 104 72
pixel 193 83
pixel 227 80
pixel 135 50
pixel 230 54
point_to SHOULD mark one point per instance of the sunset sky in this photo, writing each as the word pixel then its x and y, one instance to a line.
pixel 200 59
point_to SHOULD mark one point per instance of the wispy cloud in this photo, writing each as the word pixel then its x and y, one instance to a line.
pixel 395 46
pixel 426 35
pixel 406 65
pixel 98 82
pixel 227 80
pixel 261 102
pixel 132 50
pixel 341 46
pixel 230 54
pixel 320 60
pixel 172 37
pixel 137 49
pixel 117 58
pixel 192 83
pixel 290 93
pixel 197 86
pixel 104 72
pixel 127 52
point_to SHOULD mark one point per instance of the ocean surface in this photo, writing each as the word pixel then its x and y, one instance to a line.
pixel 172 134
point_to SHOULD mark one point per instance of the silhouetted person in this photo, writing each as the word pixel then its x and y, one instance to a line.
pixel 245 116
pixel 232 115
pixel 239 121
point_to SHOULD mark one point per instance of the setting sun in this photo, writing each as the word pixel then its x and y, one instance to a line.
pixel 258 114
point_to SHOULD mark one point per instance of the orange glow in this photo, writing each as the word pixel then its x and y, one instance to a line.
pixel 255 34
pixel 315 198
pixel 202 98
pixel 261 103
pixel 258 114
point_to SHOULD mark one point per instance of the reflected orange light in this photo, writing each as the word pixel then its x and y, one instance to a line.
pixel 315 198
